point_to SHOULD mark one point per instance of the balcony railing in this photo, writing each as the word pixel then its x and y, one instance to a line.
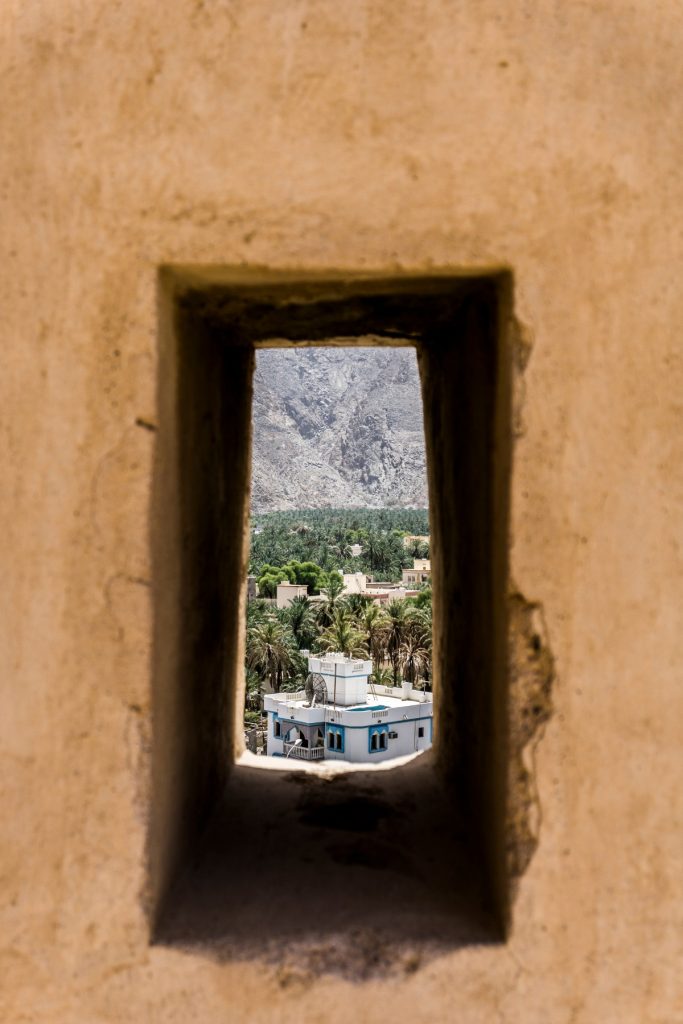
pixel 304 753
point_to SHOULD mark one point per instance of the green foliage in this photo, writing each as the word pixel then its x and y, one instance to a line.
pixel 326 610
pixel 310 574
pixel 271 652
pixel 310 548
pixel 343 635
pixel 320 540
pixel 381 677
pixel 424 598
pixel 306 574
pixel 270 576
pixel 302 622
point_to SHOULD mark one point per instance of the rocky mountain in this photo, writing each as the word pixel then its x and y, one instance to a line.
pixel 337 427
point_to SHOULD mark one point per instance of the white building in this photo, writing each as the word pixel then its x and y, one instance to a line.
pixel 342 716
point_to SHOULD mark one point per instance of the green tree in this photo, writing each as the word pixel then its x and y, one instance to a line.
pixel 381 676
pixel 372 549
pixel 343 635
pixel 307 574
pixel 373 624
pixel 332 592
pixel 254 690
pixel 413 657
pixel 424 598
pixel 270 576
pixel 357 603
pixel 270 651
pixel 397 630
pixel 302 622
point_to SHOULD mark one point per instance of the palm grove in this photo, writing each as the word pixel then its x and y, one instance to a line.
pixel 311 548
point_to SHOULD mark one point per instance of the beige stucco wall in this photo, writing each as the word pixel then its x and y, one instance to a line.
pixel 314 134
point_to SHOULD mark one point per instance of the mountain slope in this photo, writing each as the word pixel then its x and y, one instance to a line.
pixel 337 428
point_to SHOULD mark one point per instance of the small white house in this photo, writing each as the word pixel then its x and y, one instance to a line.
pixel 342 716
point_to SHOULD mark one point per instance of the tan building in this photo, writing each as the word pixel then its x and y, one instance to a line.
pixel 287 592
pixel 354 583
pixel 389 594
pixel 419 574
pixel 499 184
pixel 414 538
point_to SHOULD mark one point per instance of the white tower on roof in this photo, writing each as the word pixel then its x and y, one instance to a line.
pixel 346 680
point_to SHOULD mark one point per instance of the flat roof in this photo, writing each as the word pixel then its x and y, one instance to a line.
pixel 371 704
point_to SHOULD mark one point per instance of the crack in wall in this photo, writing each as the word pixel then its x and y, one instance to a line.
pixel 531 672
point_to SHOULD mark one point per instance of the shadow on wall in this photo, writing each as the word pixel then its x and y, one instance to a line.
pixel 361 873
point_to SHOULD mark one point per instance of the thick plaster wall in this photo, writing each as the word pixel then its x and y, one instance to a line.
pixel 315 135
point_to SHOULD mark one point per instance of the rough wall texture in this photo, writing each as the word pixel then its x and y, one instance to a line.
pixel 314 134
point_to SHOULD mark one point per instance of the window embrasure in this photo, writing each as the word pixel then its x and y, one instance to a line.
pixel 447 809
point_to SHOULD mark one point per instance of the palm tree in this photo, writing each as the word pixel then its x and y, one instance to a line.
pixel 270 651
pixel 335 585
pixel 257 611
pixel 297 674
pixel 343 635
pixel 397 630
pixel 420 635
pixel 380 677
pixel 357 603
pixel 342 551
pixel 371 548
pixel 373 623
pixel 253 691
pixel 302 622
pixel 340 535
pixel 413 657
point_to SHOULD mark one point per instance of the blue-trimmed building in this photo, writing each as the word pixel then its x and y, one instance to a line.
pixel 343 717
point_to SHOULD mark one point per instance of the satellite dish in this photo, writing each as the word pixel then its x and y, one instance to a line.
pixel 316 689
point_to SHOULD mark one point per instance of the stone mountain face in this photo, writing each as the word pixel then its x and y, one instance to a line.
pixel 337 427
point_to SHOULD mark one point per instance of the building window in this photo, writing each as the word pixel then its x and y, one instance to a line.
pixel 335 739
pixel 378 738
pixel 421 732
pixel 277 728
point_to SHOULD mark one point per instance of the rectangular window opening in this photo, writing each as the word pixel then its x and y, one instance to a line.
pixel 224 835
pixel 338 621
